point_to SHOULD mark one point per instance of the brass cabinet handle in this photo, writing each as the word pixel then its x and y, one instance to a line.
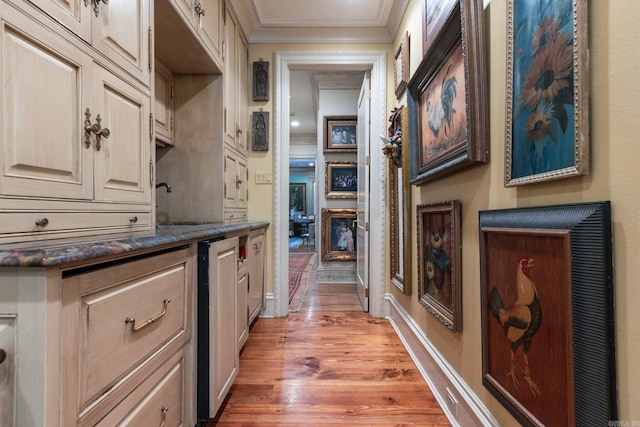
pixel 96 10
pixel 95 128
pixel 164 410
pixel 147 322
pixel 133 219
pixel 42 222
pixel 3 355
pixel 238 130
pixel 199 9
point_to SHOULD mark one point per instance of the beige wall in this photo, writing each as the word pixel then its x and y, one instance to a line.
pixel 615 153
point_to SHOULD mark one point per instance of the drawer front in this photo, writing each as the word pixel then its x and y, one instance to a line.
pixel 157 401
pixel 119 316
pixel 231 216
pixel 45 222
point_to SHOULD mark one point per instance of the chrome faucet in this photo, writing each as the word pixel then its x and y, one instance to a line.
pixel 164 184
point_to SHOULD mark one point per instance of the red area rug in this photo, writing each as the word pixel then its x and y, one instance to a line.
pixel 297 264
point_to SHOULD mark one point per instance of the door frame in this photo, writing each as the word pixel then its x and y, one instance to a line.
pixel 285 61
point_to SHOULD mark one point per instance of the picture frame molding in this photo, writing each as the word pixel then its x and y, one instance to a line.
pixel 400 222
pixel 332 193
pixel 580 77
pixel 401 66
pixel 464 26
pixel 342 120
pixel 587 231
pixel 328 214
pixel 450 317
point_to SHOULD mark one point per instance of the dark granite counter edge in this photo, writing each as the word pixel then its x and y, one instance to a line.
pixel 51 253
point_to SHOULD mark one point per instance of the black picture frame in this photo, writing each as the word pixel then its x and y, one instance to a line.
pixel 260 131
pixel 340 134
pixel 341 180
pixel 260 80
pixel 566 252
pixel 447 99
pixel 298 198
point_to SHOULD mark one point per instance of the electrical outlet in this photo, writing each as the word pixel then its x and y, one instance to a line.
pixel 264 177
pixel 453 402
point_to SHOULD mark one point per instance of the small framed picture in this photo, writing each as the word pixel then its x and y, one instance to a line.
pixel 401 66
pixel 340 134
pixel 339 234
pixel 439 264
pixel 341 180
pixel 298 198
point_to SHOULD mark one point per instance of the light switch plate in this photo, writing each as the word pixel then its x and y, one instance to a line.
pixel 264 177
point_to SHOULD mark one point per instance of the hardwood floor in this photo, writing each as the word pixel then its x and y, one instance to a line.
pixel 329 364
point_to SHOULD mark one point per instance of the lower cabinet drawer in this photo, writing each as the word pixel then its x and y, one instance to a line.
pixel 116 318
pixel 157 401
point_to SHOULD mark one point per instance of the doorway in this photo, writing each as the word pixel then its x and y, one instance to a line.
pixel 375 62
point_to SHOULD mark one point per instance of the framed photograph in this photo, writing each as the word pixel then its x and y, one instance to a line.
pixel 341 180
pixel 547 125
pixel 448 99
pixel 548 339
pixel 434 15
pixel 439 261
pixel 298 198
pixel 260 131
pixel 340 134
pixel 400 209
pixel 401 66
pixel 260 80
pixel 339 234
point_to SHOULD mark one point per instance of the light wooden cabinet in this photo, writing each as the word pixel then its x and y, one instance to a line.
pixel 256 257
pixel 118 29
pixel 105 344
pixel 163 111
pixel 236 191
pixel 223 344
pixel 242 307
pixel 235 84
pixel 7 366
pixel 87 142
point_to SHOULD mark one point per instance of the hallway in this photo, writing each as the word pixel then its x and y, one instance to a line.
pixel 328 364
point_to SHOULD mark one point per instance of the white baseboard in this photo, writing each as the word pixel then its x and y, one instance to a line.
pixel 269 306
pixel 460 404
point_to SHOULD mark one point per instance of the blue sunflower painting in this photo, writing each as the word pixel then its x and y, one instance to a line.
pixel 543 102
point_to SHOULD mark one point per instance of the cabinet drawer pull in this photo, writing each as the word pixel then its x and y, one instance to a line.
pixel 164 410
pixel 3 355
pixel 95 128
pixel 132 320
pixel 133 219
pixel 42 222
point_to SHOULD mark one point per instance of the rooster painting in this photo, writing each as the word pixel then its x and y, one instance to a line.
pixel 520 321
pixel 440 114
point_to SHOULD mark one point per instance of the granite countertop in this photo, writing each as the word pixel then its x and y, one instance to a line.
pixel 48 253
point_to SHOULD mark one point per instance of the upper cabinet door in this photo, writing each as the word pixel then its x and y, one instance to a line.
pixel 122 166
pixel 211 25
pixel 73 14
pixel 121 32
pixel 43 81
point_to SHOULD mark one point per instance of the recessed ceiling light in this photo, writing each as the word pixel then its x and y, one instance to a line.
pixel 311 164
pixel 295 123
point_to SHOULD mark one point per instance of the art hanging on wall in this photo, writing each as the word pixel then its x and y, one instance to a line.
pixel 439 261
pixel 260 80
pixel 298 198
pixel 434 15
pixel 547 313
pixel 341 180
pixel 340 134
pixel 400 223
pixel 260 130
pixel 401 66
pixel 447 99
pixel 547 128
pixel 339 234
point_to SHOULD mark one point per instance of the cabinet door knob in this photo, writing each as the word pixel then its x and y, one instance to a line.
pixel 133 219
pixel 42 222
pixel 95 128
pixel 3 355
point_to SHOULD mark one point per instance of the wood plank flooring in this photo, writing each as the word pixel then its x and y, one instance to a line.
pixel 329 364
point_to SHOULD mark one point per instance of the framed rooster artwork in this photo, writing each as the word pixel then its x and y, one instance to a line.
pixel 447 98
pixel 547 313
pixel 439 263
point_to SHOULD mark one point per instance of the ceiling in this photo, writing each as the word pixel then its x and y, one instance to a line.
pixel 314 21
